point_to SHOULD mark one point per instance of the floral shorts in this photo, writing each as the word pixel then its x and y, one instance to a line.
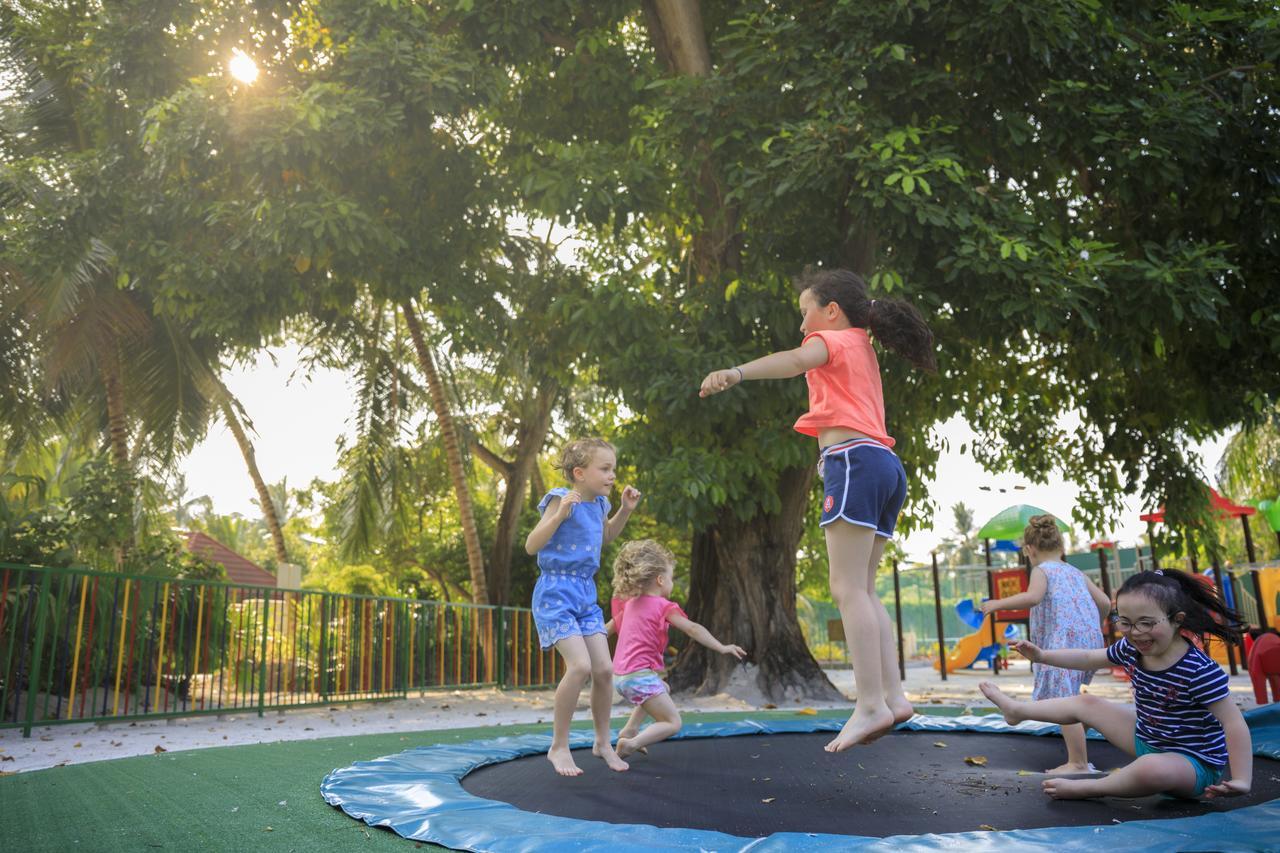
pixel 640 686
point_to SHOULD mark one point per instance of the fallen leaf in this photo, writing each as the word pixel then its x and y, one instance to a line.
pixel 976 760
pixel 768 799
pixel 76 745
pixel 269 829
pixel 939 743
pixel 6 758
pixel 1025 773
pixel 808 712
pixel 770 706
pixel 481 714
pixel 160 749
pixel 988 827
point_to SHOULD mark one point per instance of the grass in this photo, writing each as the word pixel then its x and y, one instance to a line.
pixel 260 797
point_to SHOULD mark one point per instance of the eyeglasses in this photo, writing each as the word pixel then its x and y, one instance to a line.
pixel 1141 626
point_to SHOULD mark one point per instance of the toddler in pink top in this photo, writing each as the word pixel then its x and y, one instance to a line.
pixel 642 578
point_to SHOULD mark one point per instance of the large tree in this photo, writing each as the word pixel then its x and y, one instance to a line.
pixel 1075 194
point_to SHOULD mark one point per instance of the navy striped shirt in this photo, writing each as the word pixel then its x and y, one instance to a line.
pixel 1172 703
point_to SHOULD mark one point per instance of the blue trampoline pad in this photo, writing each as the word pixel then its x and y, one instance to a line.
pixel 768 785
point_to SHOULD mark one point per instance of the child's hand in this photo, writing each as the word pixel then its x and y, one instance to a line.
pixel 987 607
pixel 719 380
pixel 1227 788
pixel 1030 651
pixel 567 503
pixel 631 497
pixel 737 651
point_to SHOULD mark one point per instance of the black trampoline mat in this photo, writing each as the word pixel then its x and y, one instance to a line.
pixel 903 784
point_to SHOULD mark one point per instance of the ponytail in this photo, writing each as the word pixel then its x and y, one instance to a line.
pixel 896 324
pixel 1178 592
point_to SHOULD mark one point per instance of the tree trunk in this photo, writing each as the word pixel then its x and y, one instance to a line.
pixel 743 574
pixel 118 441
pixel 453 453
pixel 535 422
pixel 743 589
pixel 676 32
pixel 250 460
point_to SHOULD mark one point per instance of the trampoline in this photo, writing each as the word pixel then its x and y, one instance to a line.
pixel 769 786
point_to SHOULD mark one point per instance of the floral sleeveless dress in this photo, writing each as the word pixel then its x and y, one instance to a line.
pixel 1066 618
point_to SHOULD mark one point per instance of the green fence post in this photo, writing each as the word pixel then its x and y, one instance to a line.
pixel 502 648
pixel 33 678
pixel 262 667
pixel 323 662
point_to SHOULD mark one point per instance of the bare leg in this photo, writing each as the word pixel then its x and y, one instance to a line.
pixel 666 722
pixel 632 728
pixel 894 696
pixel 1157 773
pixel 577 666
pixel 849 549
pixel 602 700
pixel 1077 751
pixel 1115 722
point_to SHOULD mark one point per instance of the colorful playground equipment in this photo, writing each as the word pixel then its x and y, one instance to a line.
pixel 977 647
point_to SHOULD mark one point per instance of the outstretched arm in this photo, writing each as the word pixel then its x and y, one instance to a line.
pixel 779 365
pixel 1085 659
pixel 701 635
pixel 1036 589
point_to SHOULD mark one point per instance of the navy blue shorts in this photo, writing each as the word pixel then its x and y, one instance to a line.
pixel 863 483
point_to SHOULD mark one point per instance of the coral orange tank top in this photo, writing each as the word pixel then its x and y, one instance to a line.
pixel 846 392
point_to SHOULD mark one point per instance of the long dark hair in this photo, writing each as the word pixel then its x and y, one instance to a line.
pixel 1176 591
pixel 896 324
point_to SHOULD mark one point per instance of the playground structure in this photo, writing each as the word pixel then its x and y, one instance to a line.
pixel 976 647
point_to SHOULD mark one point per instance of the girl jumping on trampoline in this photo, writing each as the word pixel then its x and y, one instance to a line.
pixel 575 526
pixel 642 578
pixel 864 484
pixel 1184 730
pixel 1067 610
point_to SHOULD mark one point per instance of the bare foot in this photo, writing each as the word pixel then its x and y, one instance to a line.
pixel 862 727
pixel 605 752
pixel 1070 789
pixel 628 734
pixel 625 748
pixel 1008 706
pixel 562 760
pixel 1070 768
pixel 902 711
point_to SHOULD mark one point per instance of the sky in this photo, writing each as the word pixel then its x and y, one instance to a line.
pixel 298 420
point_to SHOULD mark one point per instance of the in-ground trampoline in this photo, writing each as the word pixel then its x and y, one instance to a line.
pixel 934 784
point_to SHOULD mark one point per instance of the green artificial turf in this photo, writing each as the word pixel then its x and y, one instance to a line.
pixel 259 797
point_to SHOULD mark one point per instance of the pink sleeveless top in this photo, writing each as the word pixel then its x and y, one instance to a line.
pixel 845 392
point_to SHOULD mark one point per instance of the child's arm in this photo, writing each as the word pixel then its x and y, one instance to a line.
pixel 1239 751
pixel 558 509
pixel 779 365
pixel 1036 588
pixel 630 498
pixel 1085 659
pixel 609 628
pixel 701 635
pixel 1100 599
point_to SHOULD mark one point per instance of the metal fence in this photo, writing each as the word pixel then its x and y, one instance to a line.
pixel 82 646
pixel 919 624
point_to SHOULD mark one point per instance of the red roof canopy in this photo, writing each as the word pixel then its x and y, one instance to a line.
pixel 240 570
pixel 1222 508
pixel 1099 544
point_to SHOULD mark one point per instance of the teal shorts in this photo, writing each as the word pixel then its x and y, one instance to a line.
pixel 1206 774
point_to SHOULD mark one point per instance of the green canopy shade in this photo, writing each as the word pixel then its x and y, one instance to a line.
pixel 1271 512
pixel 1009 523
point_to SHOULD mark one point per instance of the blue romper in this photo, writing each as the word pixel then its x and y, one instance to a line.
pixel 565 598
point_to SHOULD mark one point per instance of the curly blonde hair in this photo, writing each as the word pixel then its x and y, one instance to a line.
pixel 578 454
pixel 1042 534
pixel 638 565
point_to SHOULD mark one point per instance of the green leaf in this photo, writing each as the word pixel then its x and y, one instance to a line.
pixel 908 184
pixel 1006 249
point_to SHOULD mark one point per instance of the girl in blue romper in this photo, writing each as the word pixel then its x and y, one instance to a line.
pixel 575 526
